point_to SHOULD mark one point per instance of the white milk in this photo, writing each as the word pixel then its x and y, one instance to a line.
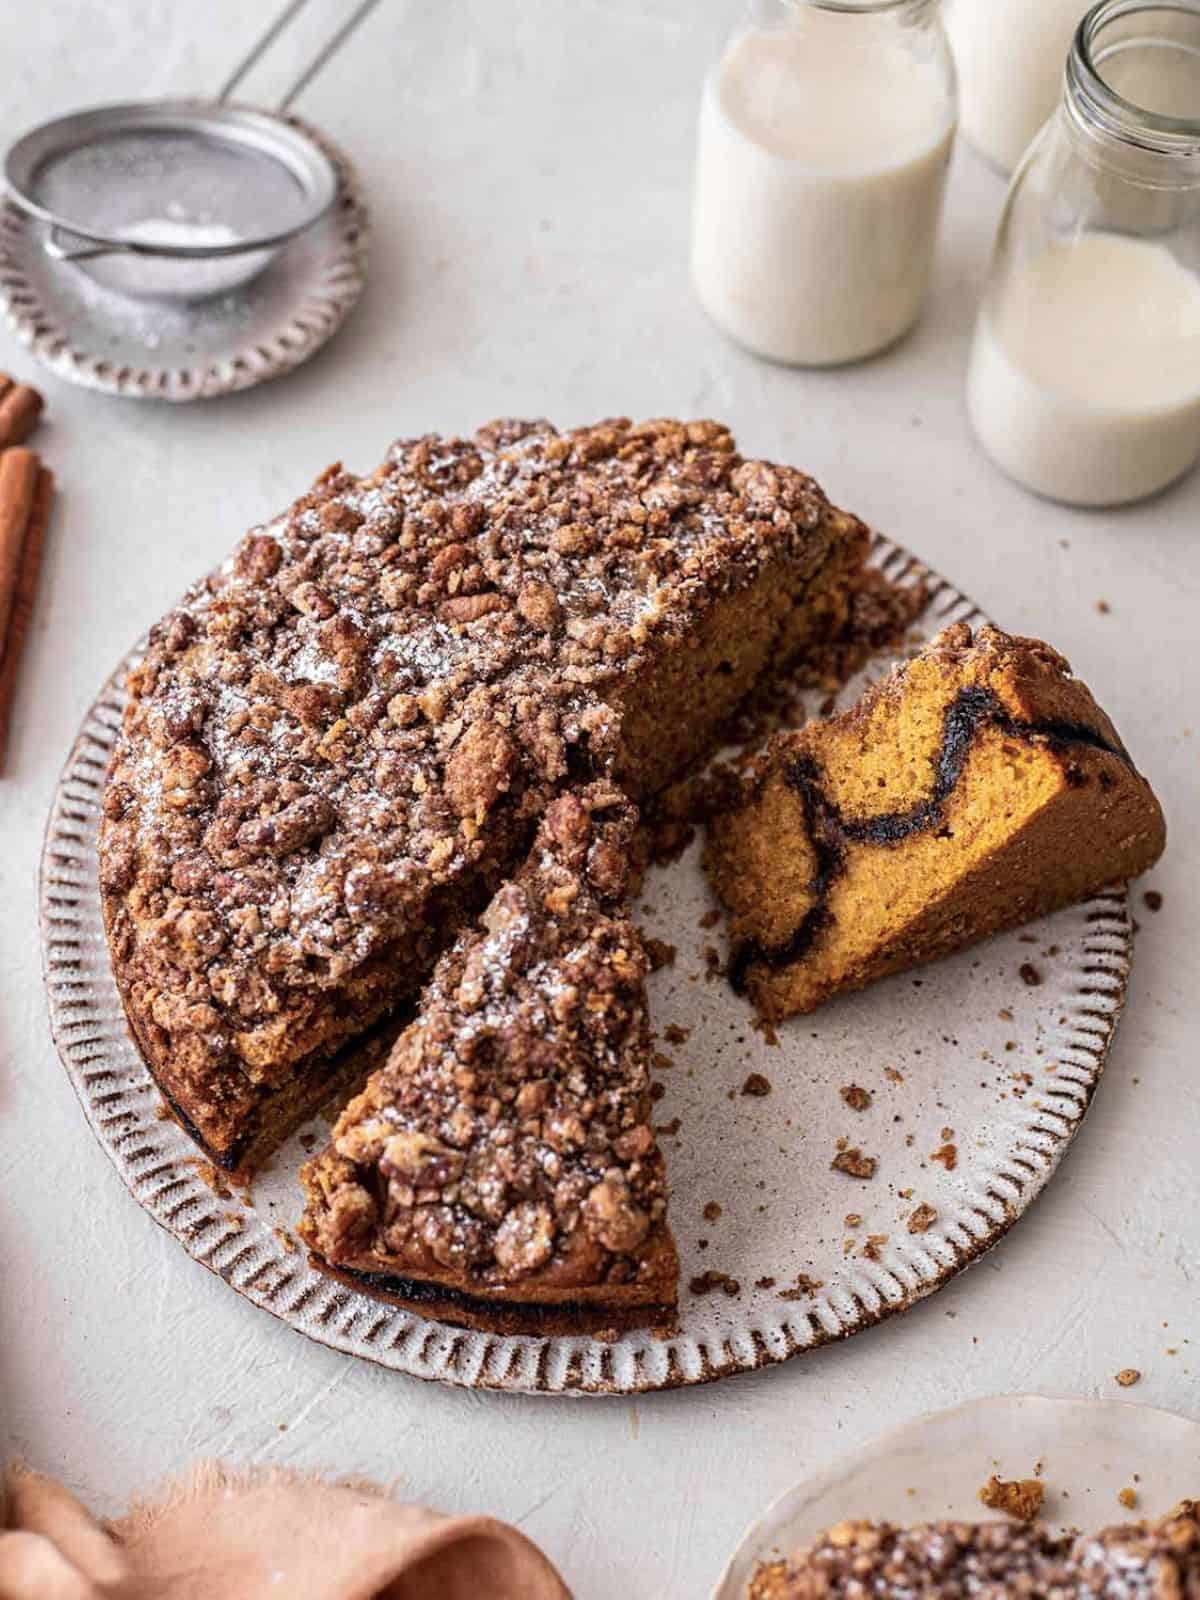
pixel 1084 381
pixel 821 165
pixel 1011 55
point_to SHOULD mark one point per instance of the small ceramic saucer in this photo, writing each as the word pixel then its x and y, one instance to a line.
pixel 162 348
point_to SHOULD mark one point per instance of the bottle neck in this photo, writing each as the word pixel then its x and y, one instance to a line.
pixel 766 11
pixel 1132 86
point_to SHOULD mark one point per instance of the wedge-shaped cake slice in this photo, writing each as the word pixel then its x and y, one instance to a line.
pixel 339 745
pixel 992 1561
pixel 978 786
pixel 501 1169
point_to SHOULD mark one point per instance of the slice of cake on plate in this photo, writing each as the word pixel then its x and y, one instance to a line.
pixel 340 744
pixel 991 1561
pixel 976 787
pixel 501 1169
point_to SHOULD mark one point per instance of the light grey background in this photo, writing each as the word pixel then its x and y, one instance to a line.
pixel 528 166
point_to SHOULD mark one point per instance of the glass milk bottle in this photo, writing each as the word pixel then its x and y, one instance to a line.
pixel 1009 55
pixel 1084 379
pixel 825 134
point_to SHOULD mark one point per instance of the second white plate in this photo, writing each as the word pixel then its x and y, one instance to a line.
pixel 931 1470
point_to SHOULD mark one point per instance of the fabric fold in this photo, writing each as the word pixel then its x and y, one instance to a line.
pixel 258 1536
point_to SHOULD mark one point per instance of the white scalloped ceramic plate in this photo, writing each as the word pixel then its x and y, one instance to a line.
pixel 154 350
pixel 931 1470
pixel 965 1053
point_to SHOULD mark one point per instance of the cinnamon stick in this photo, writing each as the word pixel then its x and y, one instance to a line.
pixel 20 407
pixel 23 599
pixel 18 480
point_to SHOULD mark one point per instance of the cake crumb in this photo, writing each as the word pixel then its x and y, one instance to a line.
pixel 856 1097
pixel 853 1219
pixel 854 1164
pixel 216 1180
pixel 1103 607
pixel 875 1243
pixel 1030 974
pixel 674 1033
pixel 922 1219
pixel 1021 1499
pixel 893 1075
pixel 764 1283
pixel 805 1288
pixel 766 1027
pixel 710 1280
pixel 712 1211
pixel 1128 1498
pixel 659 953
pixel 947 1155
pixel 756 1086
pixel 1152 900
pixel 1128 1376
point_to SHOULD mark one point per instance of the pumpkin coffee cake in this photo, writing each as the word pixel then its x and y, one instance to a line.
pixel 339 746
pixel 501 1170
pixel 976 787
pixel 992 1561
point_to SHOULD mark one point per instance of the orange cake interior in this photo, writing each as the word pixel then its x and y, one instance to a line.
pixel 976 787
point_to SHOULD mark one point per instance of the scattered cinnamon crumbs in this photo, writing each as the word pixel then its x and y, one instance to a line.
pixel 659 953
pixel 673 1033
pixel 854 1164
pixel 712 1211
pixel 757 1086
pixel 706 1282
pixel 922 1218
pixel 1128 1498
pixel 856 1097
pixel 805 1288
pixel 1030 974
pixel 947 1155
pixel 1128 1376
pixel 1152 900
pixel 1020 1499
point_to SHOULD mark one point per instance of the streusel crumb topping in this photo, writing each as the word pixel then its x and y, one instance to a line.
pixel 992 1561
pixel 509 1134
pixel 338 744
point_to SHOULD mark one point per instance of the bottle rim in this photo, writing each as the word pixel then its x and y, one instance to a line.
pixel 1091 94
pixel 852 6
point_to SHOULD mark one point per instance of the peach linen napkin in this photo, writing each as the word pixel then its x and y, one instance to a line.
pixel 219 1535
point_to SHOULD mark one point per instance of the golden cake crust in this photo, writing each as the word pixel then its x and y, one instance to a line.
pixel 338 745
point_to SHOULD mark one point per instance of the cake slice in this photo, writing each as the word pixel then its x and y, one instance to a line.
pixel 976 787
pixel 991 1561
pixel 501 1169
pixel 339 745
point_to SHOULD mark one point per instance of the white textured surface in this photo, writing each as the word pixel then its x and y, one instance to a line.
pixel 528 165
